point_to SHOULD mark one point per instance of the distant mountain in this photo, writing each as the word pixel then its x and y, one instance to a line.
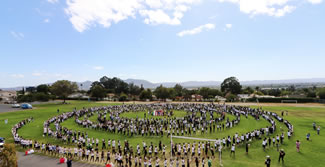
pixel 286 81
pixel 195 84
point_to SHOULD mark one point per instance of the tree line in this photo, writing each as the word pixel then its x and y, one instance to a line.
pixel 122 91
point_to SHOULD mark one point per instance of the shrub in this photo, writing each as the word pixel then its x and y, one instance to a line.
pixel 123 97
pixel 8 156
pixel 321 93
pixel 278 100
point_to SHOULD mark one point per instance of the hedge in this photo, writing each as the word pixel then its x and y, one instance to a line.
pixel 278 100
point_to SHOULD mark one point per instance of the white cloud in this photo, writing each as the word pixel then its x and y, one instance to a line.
pixel 98 67
pixel 17 75
pixel 37 74
pixel 53 1
pixel 276 8
pixel 46 20
pixel 205 27
pixel 85 14
pixel 62 76
pixel 229 26
pixel 17 35
pixel 315 1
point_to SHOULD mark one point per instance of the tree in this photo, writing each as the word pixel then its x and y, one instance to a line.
pixel 248 90
pixel 63 88
pixel 178 90
pixel 161 92
pixel 134 89
pixel 204 91
pixel 97 90
pixel 171 93
pixel 231 85
pixel 115 85
pixel 321 93
pixel 43 88
pixel 187 94
pixel 214 92
pixel 146 94
pixel 8 156
pixel 257 88
pixel 123 97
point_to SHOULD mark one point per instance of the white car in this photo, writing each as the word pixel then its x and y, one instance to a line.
pixel 15 106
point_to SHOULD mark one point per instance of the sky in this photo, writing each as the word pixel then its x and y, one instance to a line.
pixel 42 41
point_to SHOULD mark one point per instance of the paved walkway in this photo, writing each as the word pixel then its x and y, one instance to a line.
pixel 34 160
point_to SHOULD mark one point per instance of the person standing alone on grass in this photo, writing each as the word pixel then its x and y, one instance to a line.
pixel 318 129
pixel 247 146
pixel 298 145
pixel 281 156
pixel 308 136
pixel 268 161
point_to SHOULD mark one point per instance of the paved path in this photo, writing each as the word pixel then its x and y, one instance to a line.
pixel 34 160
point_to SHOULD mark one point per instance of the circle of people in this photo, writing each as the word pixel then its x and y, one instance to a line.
pixel 200 118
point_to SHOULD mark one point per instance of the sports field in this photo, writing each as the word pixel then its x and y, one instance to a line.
pixel 300 116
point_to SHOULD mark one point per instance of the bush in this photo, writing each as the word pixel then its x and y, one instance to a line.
pixel 231 97
pixel 123 97
pixel 278 100
pixel 8 156
pixel 34 97
pixel 25 98
pixel 41 97
pixel 321 93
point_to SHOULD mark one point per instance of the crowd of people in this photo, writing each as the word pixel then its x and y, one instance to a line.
pixel 200 118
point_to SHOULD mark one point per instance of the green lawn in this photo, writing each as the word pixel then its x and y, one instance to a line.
pixel 312 152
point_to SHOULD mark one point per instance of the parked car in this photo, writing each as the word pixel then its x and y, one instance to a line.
pixel 2 142
pixel 15 106
pixel 26 106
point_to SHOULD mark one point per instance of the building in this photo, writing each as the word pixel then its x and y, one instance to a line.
pixel 8 95
pixel 78 95
pixel 197 97
pixel 220 98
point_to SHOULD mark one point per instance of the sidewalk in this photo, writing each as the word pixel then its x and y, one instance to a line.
pixel 34 160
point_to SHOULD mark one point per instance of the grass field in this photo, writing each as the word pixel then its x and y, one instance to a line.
pixel 312 152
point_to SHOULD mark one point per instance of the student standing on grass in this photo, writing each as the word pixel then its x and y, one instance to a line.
pixel 318 129
pixel 314 125
pixel 281 155
pixel 203 163
pixel 308 136
pixel 197 162
pixel 247 146
pixel 298 145
pixel 209 162
pixel 232 150
pixel 268 161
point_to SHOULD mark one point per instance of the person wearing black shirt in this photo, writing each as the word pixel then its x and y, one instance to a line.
pixel 281 156
pixel 268 161
pixel 69 162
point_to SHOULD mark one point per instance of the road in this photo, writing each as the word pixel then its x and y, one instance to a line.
pixel 7 108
